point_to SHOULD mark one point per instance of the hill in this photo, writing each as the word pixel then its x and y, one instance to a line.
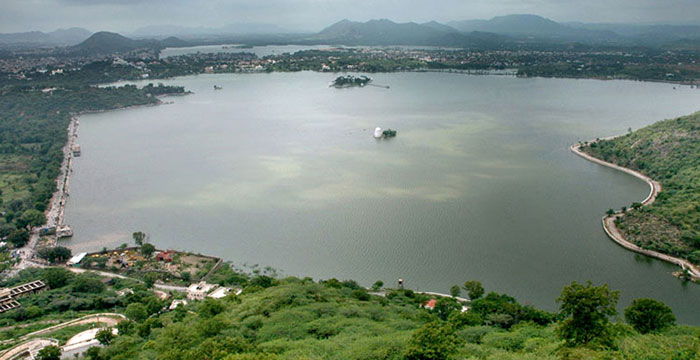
pixel 668 152
pixel 296 318
pixel 526 25
pixel 386 32
pixel 60 37
pixel 107 43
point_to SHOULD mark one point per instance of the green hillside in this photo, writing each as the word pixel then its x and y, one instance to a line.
pixel 669 152
pixel 295 318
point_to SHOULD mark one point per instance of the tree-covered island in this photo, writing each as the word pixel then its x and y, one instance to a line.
pixel 350 81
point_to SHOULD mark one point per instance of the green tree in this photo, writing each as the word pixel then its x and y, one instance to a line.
pixel 610 212
pixel 649 315
pixel 149 280
pixel 147 250
pixel 50 352
pixel 377 285
pixel 31 218
pixel 636 205
pixel 139 237
pixel 455 291
pixel 18 237
pixel 93 353
pixel 55 254
pixel 57 277
pixel 474 289
pixel 105 336
pixel 136 312
pixel 434 341
pixel 446 306
pixel 587 310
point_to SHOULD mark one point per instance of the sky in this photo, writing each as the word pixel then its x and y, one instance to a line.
pixel 313 15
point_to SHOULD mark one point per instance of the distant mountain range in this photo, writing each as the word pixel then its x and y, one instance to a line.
pixel 386 32
pixel 60 37
pixel 496 32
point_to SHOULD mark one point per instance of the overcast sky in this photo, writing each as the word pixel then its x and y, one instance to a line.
pixel 313 15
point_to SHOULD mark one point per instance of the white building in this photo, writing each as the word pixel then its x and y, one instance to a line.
pixel 200 290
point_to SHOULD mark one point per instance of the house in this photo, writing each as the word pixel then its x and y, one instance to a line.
pixel 166 256
pixel 430 304
pixel 219 293
pixel 200 290
pixel 75 260
pixel 177 303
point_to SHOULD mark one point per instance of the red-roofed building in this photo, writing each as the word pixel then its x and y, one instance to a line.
pixel 166 256
pixel 430 304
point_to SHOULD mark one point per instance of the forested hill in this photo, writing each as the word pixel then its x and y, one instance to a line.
pixel 669 152
pixel 302 319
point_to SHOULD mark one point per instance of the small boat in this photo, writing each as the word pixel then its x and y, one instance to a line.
pixel 378 133
pixel 217 87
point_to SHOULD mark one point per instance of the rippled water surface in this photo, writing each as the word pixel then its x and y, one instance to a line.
pixel 279 169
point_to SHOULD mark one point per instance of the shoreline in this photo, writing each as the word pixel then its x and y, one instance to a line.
pixel 57 204
pixel 609 220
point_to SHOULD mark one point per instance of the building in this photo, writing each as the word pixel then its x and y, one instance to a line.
pixel 166 256
pixel 177 303
pixel 200 290
pixel 75 260
pixel 219 293
pixel 8 296
pixel 430 304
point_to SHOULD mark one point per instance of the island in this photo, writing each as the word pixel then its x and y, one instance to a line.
pixel 350 81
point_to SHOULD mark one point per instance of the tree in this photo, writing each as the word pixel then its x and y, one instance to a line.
pixel 649 315
pixel 31 218
pixel 147 250
pixel 455 291
pixel 55 254
pixel 474 289
pixel 610 212
pixel 377 285
pixel 50 352
pixel 136 312
pixel 105 336
pixel 139 237
pixel 636 205
pixel 57 277
pixel 149 280
pixel 93 353
pixel 434 341
pixel 587 310
pixel 624 209
pixel 18 237
pixel 445 306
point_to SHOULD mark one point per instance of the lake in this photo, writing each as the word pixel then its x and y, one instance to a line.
pixel 281 170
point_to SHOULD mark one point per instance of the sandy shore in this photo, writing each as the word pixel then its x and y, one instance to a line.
pixel 609 220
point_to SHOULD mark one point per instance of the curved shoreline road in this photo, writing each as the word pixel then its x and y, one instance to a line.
pixel 609 221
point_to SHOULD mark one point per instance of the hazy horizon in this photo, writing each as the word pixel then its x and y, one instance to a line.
pixel 126 16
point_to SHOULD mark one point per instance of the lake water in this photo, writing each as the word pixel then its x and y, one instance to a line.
pixel 281 170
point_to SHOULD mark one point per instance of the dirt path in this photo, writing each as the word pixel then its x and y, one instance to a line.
pixel 609 221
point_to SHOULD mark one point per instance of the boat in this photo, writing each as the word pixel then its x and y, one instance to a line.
pixel 378 133
pixel 63 231
pixel 217 87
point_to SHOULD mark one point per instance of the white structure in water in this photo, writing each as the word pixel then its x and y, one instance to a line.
pixel 378 133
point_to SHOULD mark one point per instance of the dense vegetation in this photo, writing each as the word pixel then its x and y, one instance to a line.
pixel 302 319
pixel 669 152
